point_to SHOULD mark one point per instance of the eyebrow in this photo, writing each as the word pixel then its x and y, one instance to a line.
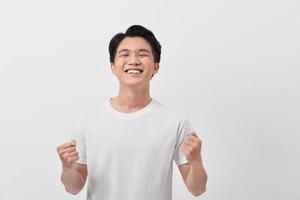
pixel 140 50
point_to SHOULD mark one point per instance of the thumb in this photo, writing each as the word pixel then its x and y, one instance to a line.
pixel 194 134
pixel 73 142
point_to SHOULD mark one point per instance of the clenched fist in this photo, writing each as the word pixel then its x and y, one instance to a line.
pixel 191 148
pixel 68 153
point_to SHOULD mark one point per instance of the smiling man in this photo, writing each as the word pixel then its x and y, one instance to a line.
pixel 125 147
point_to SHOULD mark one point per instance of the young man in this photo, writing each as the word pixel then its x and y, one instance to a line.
pixel 127 145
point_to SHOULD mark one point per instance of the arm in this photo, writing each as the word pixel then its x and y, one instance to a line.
pixel 74 178
pixel 193 173
pixel 194 177
pixel 73 175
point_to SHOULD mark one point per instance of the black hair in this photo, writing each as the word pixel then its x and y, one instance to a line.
pixel 135 31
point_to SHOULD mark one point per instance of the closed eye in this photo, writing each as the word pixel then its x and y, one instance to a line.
pixel 143 55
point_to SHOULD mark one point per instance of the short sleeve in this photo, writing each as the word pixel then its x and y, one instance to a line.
pixel 184 128
pixel 78 133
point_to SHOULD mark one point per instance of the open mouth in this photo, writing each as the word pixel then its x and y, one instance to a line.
pixel 133 71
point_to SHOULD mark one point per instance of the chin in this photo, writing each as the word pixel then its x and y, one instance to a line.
pixel 134 82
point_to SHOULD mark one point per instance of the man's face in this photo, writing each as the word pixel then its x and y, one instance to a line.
pixel 134 62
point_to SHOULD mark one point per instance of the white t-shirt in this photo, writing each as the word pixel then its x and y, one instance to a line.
pixel 130 155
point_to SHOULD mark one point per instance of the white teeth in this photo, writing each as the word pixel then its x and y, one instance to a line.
pixel 132 71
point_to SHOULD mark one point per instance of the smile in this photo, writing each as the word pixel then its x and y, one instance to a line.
pixel 134 71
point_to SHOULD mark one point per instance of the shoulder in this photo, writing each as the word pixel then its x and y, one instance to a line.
pixel 84 114
pixel 170 112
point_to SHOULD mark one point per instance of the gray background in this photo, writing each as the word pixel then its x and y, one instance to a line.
pixel 232 66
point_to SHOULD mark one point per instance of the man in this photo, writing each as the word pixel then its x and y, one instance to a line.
pixel 127 145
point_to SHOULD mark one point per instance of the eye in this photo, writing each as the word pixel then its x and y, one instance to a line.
pixel 124 55
pixel 143 55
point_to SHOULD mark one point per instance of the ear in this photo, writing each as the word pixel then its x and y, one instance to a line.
pixel 156 68
pixel 112 66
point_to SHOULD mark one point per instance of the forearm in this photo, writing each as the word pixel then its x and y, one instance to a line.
pixel 72 180
pixel 197 178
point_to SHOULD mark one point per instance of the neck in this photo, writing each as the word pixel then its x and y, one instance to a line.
pixel 131 99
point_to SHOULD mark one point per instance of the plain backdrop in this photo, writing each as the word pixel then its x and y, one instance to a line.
pixel 232 66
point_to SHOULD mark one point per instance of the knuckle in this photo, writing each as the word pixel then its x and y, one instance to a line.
pixel 71 149
pixel 59 149
pixel 65 155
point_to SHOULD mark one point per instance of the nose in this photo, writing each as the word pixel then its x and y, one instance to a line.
pixel 134 60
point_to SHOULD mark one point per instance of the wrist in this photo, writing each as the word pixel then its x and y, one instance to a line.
pixel 67 167
pixel 196 162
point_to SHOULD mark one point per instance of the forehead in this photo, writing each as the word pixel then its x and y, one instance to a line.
pixel 134 44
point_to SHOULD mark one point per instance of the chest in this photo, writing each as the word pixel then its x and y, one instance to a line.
pixel 131 138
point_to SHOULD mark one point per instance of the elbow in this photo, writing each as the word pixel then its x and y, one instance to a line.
pixel 199 192
pixel 74 192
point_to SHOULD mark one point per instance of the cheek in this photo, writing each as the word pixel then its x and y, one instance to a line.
pixel 119 64
pixel 149 64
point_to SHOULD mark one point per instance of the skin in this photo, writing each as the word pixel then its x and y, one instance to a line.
pixel 193 173
pixel 133 52
pixel 73 175
pixel 134 94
